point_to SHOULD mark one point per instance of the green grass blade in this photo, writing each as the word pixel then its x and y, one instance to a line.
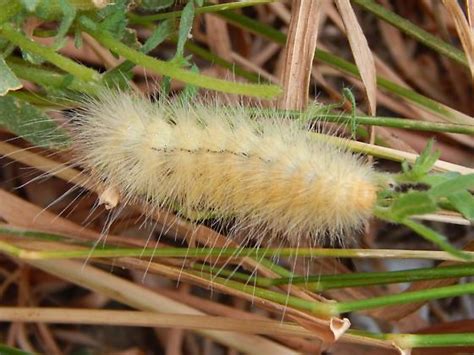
pixel 414 31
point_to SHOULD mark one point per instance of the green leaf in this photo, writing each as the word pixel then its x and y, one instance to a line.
pixel 463 202
pixel 438 178
pixel 412 203
pixel 190 91
pixel 347 93
pixel 8 80
pixel 452 186
pixel 115 18
pixel 130 38
pixel 88 23
pixel 48 10
pixel 165 87
pixel 156 5
pixel 158 36
pixel 30 123
pixel 423 163
pixel 32 58
pixel 77 38
pixel 6 350
pixel 427 158
pixel 69 14
pixel 68 80
pixel 185 26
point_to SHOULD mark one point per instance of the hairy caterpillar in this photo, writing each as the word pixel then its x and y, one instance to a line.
pixel 267 174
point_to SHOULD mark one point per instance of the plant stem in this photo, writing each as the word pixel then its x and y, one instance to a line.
pixel 402 123
pixel 236 252
pixel 414 31
pixel 315 307
pixel 84 73
pixel 112 252
pixel 143 20
pixel 39 101
pixel 396 122
pixel 48 78
pixel 175 72
pixel 232 275
pixel 406 297
pixel 10 249
pixel 319 283
pixel 409 341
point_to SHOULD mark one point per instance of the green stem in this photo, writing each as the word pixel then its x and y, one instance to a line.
pixel 232 275
pixel 406 297
pixel 112 252
pixel 48 78
pixel 401 123
pixel 414 31
pixel 143 20
pixel 8 32
pixel 277 269
pixel 175 72
pixel 315 307
pixel 409 341
pixel 240 252
pixel 319 283
pixel 396 122
pixel 40 101
pixel 236 275
pixel 26 233
pixel 10 249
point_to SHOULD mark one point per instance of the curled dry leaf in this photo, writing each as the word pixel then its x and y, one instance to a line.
pixel 110 197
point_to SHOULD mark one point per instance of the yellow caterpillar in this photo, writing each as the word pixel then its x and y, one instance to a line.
pixel 268 175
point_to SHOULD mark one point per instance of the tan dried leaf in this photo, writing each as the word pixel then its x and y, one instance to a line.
pixel 465 32
pixel 299 53
pixel 361 52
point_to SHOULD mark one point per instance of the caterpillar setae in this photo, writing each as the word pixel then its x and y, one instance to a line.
pixel 266 174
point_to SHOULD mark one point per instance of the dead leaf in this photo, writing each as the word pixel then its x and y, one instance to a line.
pixel 361 52
pixel 299 53
pixel 465 32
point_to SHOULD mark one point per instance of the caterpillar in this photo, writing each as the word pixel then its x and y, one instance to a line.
pixel 266 174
